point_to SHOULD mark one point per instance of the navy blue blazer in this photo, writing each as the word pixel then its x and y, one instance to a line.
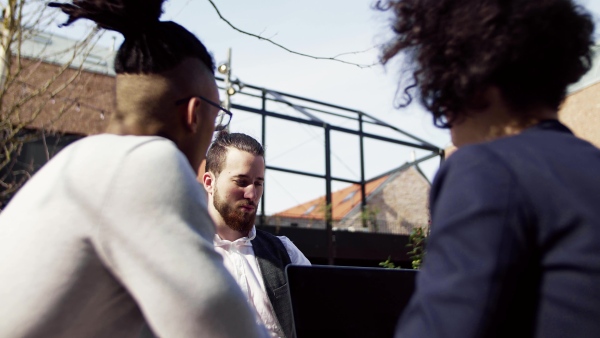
pixel 514 248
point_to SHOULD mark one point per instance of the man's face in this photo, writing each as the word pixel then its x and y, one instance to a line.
pixel 238 189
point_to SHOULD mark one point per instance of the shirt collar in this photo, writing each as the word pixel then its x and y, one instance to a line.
pixel 219 242
pixel 552 124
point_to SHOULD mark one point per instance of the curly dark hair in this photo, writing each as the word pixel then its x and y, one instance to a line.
pixel 150 46
pixel 530 49
pixel 217 153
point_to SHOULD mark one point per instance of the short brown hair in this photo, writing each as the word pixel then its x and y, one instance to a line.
pixel 217 153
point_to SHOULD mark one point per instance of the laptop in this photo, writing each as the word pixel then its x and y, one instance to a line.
pixel 344 301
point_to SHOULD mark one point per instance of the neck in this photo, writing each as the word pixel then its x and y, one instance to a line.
pixel 496 121
pixel 132 124
pixel 148 128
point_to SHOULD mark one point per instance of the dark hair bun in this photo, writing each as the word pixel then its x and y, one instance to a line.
pixel 129 17
pixel 150 46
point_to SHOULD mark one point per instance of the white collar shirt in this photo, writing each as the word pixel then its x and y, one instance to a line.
pixel 239 259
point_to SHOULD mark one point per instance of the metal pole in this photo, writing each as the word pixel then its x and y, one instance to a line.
pixel 264 141
pixel 442 156
pixel 363 192
pixel 328 206
pixel 228 81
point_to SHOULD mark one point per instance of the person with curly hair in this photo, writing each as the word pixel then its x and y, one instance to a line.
pixel 513 249
pixel 113 234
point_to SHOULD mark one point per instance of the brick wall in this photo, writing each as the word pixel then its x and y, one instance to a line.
pixel 581 113
pixel 83 107
pixel 399 205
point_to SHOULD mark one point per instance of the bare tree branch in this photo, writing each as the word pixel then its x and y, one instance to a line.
pixel 333 58
pixel 32 85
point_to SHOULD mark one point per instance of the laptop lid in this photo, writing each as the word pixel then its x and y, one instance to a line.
pixel 343 301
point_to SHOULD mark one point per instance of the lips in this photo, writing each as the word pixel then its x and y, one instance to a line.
pixel 248 207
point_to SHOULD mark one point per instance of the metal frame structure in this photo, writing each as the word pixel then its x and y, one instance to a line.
pixel 309 109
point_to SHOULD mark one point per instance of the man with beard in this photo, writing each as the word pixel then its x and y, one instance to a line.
pixel 234 177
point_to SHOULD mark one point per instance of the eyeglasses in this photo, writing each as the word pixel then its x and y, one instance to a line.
pixel 222 120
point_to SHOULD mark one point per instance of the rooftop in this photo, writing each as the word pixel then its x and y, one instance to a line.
pixel 57 49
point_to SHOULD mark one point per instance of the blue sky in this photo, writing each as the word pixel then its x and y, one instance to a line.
pixel 319 28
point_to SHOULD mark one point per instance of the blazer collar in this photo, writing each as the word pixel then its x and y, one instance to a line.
pixel 552 125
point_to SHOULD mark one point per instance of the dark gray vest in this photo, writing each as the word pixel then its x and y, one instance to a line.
pixel 272 259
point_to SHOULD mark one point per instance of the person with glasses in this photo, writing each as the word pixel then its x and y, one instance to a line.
pixel 514 244
pixel 223 117
pixel 113 233
pixel 234 179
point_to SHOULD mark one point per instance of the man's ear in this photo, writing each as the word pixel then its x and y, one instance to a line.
pixel 200 171
pixel 192 114
pixel 209 181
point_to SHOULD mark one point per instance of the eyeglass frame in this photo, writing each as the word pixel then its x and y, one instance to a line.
pixel 217 128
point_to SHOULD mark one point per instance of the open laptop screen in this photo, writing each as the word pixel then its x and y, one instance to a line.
pixel 341 301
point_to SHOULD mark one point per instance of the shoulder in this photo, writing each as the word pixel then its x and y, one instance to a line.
pixel 105 149
pixel 477 174
pixel 122 143
pixel 150 148
pixel 109 164
pixel 148 154
pixel 476 154
pixel 155 169
pixel 480 162
pixel 296 256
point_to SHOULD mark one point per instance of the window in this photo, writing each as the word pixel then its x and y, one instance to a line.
pixel 309 210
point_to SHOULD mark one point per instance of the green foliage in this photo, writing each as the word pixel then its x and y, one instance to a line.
pixel 388 264
pixel 326 210
pixel 369 212
pixel 368 217
pixel 416 241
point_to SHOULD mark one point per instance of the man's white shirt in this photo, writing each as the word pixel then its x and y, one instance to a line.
pixel 241 262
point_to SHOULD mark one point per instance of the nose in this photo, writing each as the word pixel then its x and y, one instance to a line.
pixel 250 192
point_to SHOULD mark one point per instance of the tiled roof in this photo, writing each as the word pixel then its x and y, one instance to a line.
pixel 342 202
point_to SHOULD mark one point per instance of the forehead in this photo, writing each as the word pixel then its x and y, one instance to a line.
pixel 239 162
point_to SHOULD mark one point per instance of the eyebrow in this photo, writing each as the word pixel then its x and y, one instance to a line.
pixel 247 177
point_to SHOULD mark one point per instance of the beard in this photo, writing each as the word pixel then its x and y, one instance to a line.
pixel 233 215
